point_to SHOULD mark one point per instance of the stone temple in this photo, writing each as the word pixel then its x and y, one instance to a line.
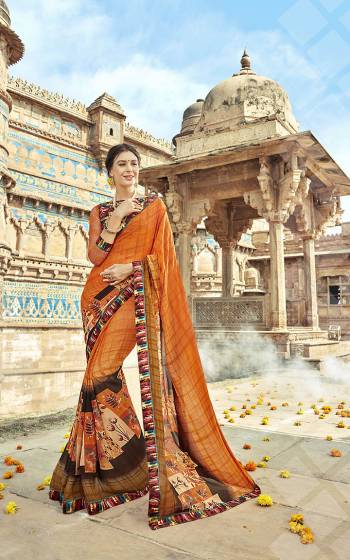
pixel 248 195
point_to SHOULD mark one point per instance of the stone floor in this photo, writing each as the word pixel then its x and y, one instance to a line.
pixel 318 486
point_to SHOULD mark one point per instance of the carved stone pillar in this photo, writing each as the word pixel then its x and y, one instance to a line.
pixel 11 50
pixel 227 269
pixel 310 282
pixel 283 184
pixel 185 232
pixel 277 277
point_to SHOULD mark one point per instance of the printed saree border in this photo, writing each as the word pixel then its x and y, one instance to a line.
pixel 77 504
pixel 111 308
pixel 155 520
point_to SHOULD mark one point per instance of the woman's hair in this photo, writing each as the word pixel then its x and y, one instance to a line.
pixel 118 149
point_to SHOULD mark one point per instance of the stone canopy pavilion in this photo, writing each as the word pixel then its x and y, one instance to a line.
pixel 240 156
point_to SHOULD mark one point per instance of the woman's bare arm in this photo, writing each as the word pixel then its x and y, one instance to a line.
pixel 95 254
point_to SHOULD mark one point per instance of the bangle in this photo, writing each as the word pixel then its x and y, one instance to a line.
pixel 103 245
pixel 113 230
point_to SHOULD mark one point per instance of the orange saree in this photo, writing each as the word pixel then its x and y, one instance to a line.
pixel 180 456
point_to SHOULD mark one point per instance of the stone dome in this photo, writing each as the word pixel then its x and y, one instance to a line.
pixel 244 98
pixel 191 116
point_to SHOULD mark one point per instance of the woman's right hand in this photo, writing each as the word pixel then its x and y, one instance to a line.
pixel 128 206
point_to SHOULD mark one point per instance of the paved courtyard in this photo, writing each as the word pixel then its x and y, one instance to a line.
pixel 318 486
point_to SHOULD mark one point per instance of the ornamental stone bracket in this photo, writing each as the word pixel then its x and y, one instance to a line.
pixel 221 224
pixel 328 213
pixel 283 185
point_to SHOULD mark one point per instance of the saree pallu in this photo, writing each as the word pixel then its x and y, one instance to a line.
pixel 180 456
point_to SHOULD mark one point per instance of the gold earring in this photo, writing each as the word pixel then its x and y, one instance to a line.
pixel 110 181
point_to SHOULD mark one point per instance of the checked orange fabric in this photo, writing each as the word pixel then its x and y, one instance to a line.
pixel 180 455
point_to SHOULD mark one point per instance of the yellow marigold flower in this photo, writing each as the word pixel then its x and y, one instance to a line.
pixel 40 487
pixel 2 486
pixel 262 465
pixel 298 517
pixel 226 411
pixel 264 421
pixel 248 411
pixel 284 474
pixel 66 435
pixel 329 438
pixel 8 460
pixel 297 423
pixel 266 438
pixel 8 474
pixel 233 408
pixel 306 535
pixel 341 424
pixel 300 404
pixel 47 480
pixel 264 500
pixel 253 406
pixel 316 411
pixel 295 527
pixel 231 420
pixel 242 415
pixel 259 402
pixel 300 411
pixel 11 507
pixel 266 458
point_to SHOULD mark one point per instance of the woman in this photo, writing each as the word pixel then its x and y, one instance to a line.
pixel 134 294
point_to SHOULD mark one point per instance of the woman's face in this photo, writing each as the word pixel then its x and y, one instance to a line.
pixel 125 170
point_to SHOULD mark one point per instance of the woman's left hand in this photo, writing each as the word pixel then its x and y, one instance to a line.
pixel 116 273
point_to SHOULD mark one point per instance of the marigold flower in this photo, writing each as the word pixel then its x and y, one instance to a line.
pixel 300 411
pixel 329 438
pixel 264 421
pixel 1 496
pixel 247 446
pixel 19 446
pixel 250 466
pixel 253 406
pixel 341 424
pixel 264 500
pixel 298 517
pixel 11 507
pixel 226 411
pixel 262 465
pixel 40 487
pixel 8 474
pixel 297 423
pixel 285 404
pixel 2 486
pixel 20 468
pixel 266 458
pixel 266 438
pixel 284 474
pixel 306 535
pixel 66 435
pixel 233 408
pixel 47 480
pixel 295 527
pixel 335 453
pixel 242 415
pixel 231 420
pixel 8 460
pixel 273 407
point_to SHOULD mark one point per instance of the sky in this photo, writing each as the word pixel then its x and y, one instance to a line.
pixel 156 57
